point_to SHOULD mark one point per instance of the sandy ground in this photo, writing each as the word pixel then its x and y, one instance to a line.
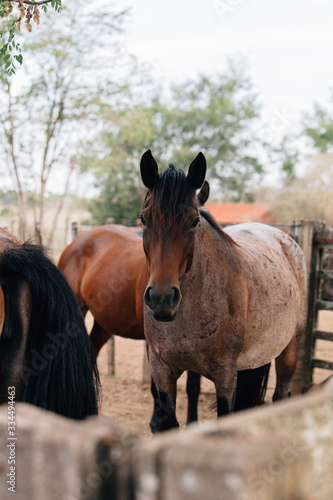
pixel 126 399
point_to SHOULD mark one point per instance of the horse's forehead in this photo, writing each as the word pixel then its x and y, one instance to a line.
pixel 173 210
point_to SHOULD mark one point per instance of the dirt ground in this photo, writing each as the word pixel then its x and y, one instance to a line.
pixel 126 399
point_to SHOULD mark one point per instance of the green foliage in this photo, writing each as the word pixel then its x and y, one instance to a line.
pixel 16 11
pixel 115 166
pixel 121 201
pixel 287 157
pixel 10 50
pixel 319 127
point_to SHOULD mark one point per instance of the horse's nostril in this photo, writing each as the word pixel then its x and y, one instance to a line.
pixel 176 295
pixel 147 297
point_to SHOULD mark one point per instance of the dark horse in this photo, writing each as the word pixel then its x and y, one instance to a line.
pixel 106 268
pixel 45 352
pixel 216 301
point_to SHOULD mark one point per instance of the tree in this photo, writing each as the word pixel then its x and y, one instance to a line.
pixel 285 157
pixel 44 120
pixel 216 115
pixel 318 126
pixel 307 197
pixel 17 11
pixel 213 115
pixel 310 195
pixel 113 158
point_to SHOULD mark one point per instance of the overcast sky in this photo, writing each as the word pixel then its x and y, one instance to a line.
pixel 288 45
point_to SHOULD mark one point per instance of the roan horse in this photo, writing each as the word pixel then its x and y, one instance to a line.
pixel 106 268
pixel 46 356
pixel 216 301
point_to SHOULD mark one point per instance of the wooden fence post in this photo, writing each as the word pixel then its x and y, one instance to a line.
pixel 111 357
pixel 304 231
pixel 38 234
pixel 75 230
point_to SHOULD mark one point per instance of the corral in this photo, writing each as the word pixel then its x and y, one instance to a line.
pixel 280 451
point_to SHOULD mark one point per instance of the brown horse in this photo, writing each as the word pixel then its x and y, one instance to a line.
pixel 46 357
pixel 216 301
pixel 106 268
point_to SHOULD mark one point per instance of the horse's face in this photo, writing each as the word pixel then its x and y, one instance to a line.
pixel 170 218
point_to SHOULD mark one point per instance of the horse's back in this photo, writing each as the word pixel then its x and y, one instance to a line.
pixel 98 241
pixel 262 239
pixel 104 266
pixel 94 251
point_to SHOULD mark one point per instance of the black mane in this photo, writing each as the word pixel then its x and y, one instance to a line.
pixel 171 196
pixel 212 222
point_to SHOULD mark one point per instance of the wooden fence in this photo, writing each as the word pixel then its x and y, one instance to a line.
pixel 314 238
pixel 280 451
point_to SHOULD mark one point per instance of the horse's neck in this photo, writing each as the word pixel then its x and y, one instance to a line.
pixel 209 255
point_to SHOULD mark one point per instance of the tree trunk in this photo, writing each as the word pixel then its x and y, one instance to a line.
pixel 19 191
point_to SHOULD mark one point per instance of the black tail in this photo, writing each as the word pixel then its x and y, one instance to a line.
pixel 251 387
pixel 60 372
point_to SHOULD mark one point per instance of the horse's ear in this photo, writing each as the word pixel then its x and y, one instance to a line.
pixel 149 170
pixel 203 194
pixel 197 171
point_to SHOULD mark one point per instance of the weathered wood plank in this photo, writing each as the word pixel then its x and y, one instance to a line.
pixel 323 335
pixel 324 305
pixel 320 363
pixel 326 246
pixel 323 274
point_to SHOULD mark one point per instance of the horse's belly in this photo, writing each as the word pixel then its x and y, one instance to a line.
pixel 274 338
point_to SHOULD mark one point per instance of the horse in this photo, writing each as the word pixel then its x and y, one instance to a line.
pixel 106 268
pixel 46 357
pixel 217 301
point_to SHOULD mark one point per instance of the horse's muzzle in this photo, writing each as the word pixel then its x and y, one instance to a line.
pixel 163 306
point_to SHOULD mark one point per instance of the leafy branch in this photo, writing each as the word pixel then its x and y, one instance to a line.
pixel 15 12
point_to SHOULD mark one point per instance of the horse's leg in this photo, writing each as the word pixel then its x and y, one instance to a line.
pixel 98 337
pixel 164 391
pixel 164 416
pixel 285 365
pixel 225 380
pixel 193 392
pixel 155 422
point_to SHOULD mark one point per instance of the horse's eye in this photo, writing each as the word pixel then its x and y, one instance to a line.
pixel 195 223
pixel 142 220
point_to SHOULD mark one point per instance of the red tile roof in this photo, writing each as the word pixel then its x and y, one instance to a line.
pixel 234 213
